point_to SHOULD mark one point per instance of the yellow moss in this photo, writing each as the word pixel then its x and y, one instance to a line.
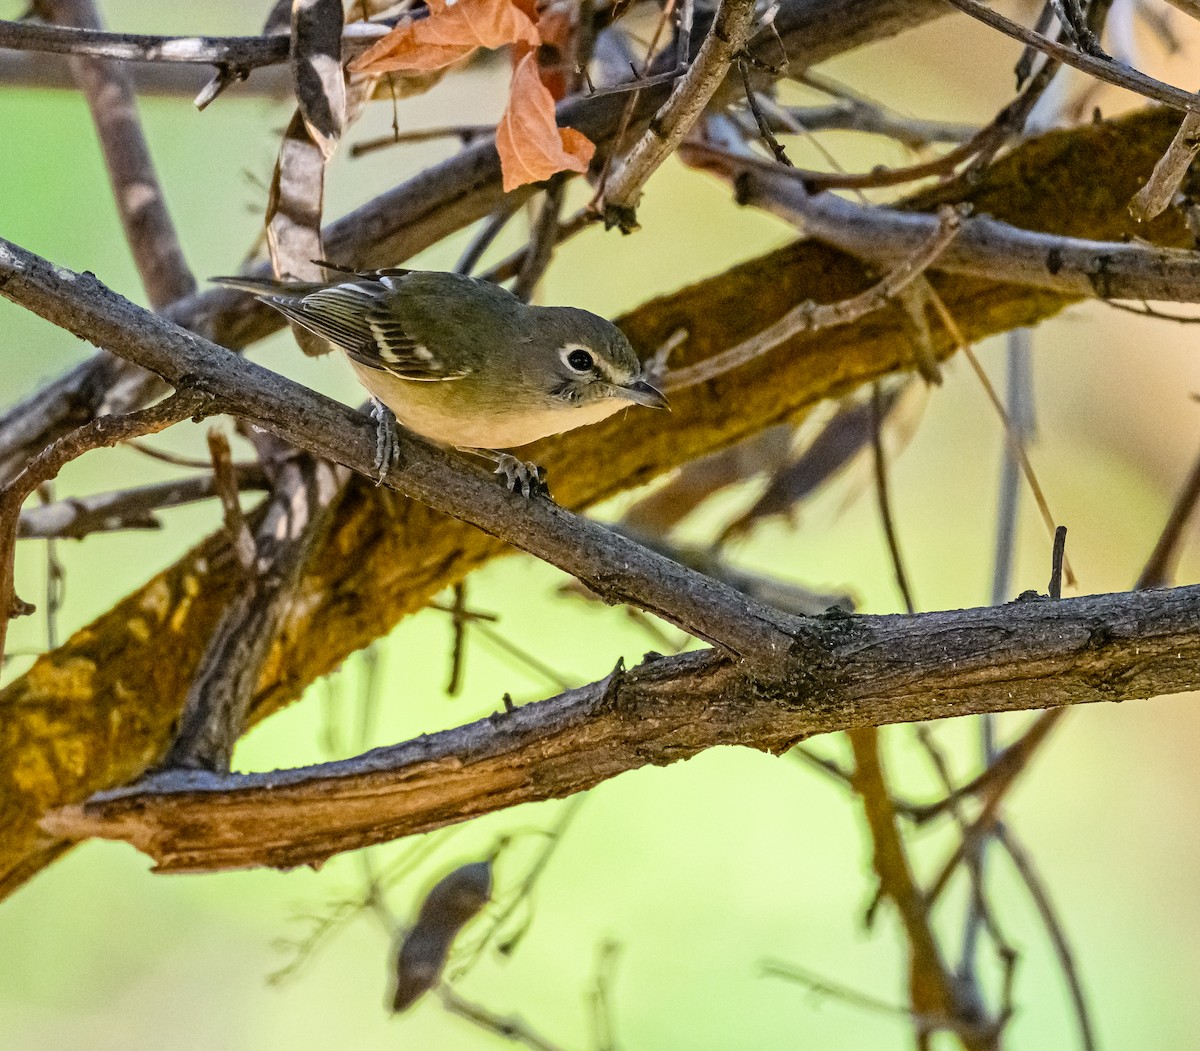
pixel 62 678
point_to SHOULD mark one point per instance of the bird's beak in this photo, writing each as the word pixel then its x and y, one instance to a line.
pixel 641 393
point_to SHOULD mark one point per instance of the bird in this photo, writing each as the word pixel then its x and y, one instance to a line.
pixel 463 361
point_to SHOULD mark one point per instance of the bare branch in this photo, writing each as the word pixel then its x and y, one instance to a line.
pixel 1153 198
pixel 107 430
pixel 811 317
pixel 80 516
pixel 870 671
pixel 139 198
pixel 985 247
pixel 242 52
pixel 730 30
pixel 612 566
pixel 1102 68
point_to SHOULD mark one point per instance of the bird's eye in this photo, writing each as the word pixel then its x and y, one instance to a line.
pixel 580 360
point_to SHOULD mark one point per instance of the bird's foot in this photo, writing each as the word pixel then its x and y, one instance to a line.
pixel 520 476
pixel 387 441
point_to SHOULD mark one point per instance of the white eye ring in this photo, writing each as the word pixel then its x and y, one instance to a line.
pixel 578 352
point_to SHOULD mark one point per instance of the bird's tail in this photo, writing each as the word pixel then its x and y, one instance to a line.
pixel 266 286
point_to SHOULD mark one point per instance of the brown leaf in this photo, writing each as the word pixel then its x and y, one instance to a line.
pixel 316 60
pixel 447 35
pixel 294 216
pixel 423 950
pixel 531 145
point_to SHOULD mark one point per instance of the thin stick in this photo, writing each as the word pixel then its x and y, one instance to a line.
pixel 810 317
pixel 1014 439
pixel 1105 69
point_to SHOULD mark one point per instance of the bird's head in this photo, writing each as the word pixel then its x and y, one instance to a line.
pixel 587 359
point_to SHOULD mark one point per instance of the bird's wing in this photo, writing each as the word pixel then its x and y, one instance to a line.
pixel 356 318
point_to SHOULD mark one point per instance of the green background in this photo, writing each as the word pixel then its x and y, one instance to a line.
pixel 702 870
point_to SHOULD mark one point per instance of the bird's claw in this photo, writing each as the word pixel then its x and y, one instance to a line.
pixel 520 476
pixel 387 444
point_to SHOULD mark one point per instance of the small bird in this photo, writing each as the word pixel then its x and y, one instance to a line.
pixel 465 362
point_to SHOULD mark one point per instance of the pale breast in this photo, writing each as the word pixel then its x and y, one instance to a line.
pixel 437 410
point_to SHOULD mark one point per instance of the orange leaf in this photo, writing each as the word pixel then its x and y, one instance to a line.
pixel 530 144
pixel 451 32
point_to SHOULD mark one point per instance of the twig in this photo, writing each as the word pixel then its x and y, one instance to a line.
pixel 227 489
pixel 1104 69
pixel 107 430
pixel 823 986
pixel 1062 947
pixel 524 891
pixel 79 516
pixel 726 38
pixel 458 620
pixel 1160 189
pixel 509 1027
pixel 936 1000
pixel 1019 411
pixel 466 133
pixel 1056 563
pixel 542 240
pixel 764 126
pixel 885 504
pixel 484 237
pixel 1160 565
pixel 139 198
pixel 601 998
pixel 809 316
pixel 1014 438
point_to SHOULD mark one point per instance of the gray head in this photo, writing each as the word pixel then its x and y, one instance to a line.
pixel 586 358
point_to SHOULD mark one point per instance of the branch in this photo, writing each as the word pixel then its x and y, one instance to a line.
pixel 984 247
pixel 393 562
pixel 239 52
pixel 613 566
pixel 1102 68
pixel 728 35
pixel 813 317
pixel 77 517
pixel 107 430
pixel 136 190
pixel 850 672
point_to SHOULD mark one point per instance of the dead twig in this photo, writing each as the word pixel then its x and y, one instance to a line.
pixel 106 430
pixel 810 317
pixel 726 38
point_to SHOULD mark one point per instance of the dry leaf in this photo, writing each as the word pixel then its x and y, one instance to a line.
pixel 451 32
pixel 316 61
pixel 294 216
pixel 531 145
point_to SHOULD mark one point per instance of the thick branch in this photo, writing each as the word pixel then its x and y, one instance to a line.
pixel 871 671
pixel 984 247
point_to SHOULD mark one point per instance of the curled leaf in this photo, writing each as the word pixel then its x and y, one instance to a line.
pixel 450 33
pixel 316 60
pixel 454 899
pixel 531 145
